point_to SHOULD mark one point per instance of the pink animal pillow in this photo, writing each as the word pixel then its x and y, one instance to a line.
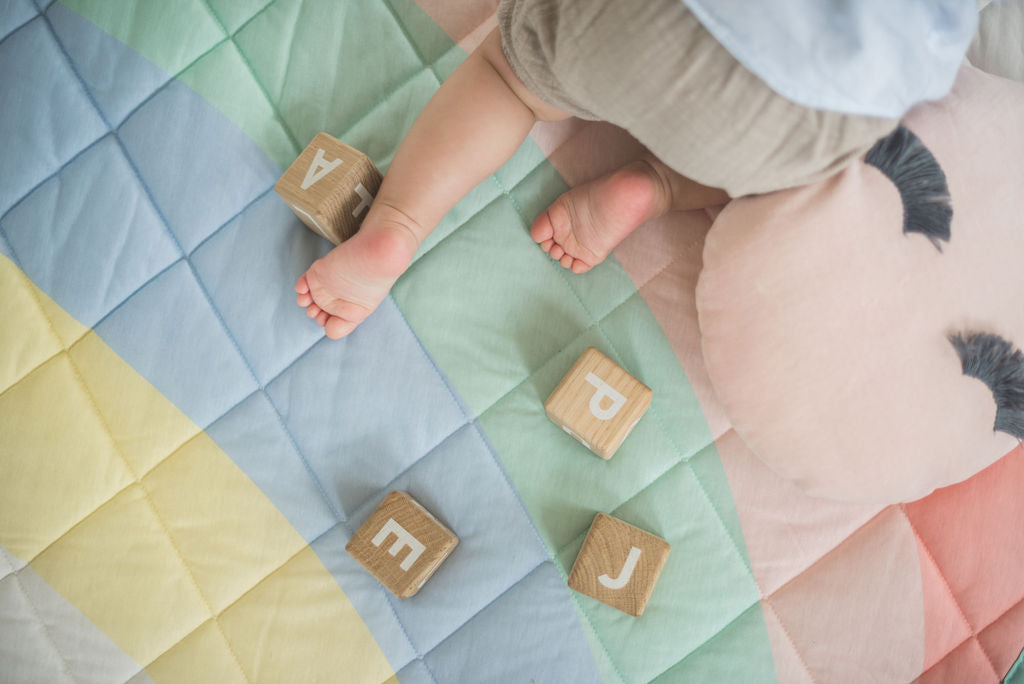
pixel 864 333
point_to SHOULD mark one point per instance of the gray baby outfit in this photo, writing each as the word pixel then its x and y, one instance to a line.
pixel 650 67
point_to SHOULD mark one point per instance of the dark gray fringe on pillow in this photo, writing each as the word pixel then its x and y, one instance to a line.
pixel 999 365
pixel 927 208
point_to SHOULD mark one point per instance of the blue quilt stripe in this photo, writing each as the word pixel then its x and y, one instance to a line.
pixel 160 230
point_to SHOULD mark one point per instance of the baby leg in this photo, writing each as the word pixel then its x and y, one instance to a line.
pixel 473 124
pixel 586 223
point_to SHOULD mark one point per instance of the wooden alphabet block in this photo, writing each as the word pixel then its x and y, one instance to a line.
pixel 598 403
pixel 401 544
pixel 619 564
pixel 330 187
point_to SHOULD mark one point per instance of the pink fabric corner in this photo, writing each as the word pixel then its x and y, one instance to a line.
pixel 786 531
pixel 973 532
pixel 967 663
pixel 859 609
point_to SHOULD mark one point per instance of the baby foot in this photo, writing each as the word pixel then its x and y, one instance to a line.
pixel 347 285
pixel 583 225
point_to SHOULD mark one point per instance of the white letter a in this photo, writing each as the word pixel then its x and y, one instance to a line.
pixel 319 168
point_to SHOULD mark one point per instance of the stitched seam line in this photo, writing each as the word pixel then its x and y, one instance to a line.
pixel 412 43
pixel 766 601
pixel 948 589
pixel 216 616
pixel 252 72
pixel 490 603
pixel 64 666
pixel 708 640
pixel 19 27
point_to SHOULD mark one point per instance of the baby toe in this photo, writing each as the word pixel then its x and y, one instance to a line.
pixel 336 328
pixel 579 266
pixel 542 229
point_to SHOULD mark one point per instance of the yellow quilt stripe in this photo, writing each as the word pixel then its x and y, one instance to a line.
pixel 146 526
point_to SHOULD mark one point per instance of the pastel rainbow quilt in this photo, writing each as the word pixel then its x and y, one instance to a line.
pixel 183 455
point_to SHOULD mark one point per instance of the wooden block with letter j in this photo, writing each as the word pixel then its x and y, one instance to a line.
pixel 619 564
pixel 598 403
pixel 330 187
pixel 402 544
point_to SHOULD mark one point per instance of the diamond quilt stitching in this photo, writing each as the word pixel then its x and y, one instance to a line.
pixel 506 194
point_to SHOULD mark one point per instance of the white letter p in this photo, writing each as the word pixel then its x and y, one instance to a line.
pixel 604 390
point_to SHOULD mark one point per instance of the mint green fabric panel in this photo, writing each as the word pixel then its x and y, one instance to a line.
pixel 500 319
pixel 171 35
pixel 233 14
pixel 739 653
pixel 1016 673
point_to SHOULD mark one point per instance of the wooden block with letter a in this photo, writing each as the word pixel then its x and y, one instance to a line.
pixel 619 564
pixel 330 187
pixel 401 544
pixel 598 403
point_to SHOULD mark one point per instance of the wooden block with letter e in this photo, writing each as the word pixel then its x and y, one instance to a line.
pixel 598 403
pixel 401 544
pixel 330 187
pixel 619 564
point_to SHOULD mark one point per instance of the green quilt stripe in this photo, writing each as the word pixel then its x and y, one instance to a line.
pixel 1016 673
pixel 502 321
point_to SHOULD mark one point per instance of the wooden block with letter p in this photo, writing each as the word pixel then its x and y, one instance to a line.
pixel 619 564
pixel 330 187
pixel 598 403
pixel 401 544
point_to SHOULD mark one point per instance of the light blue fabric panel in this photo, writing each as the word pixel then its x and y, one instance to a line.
pixel 365 408
pixel 64 231
pixel 14 13
pixel 248 268
pixel 168 136
pixel 171 336
pixel 41 99
pixel 461 483
pixel 253 436
pixel 115 76
pixel 416 672
pixel 529 634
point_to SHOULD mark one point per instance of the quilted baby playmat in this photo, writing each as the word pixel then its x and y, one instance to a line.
pixel 184 456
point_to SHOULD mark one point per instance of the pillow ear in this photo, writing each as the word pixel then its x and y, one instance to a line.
pixel 826 312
